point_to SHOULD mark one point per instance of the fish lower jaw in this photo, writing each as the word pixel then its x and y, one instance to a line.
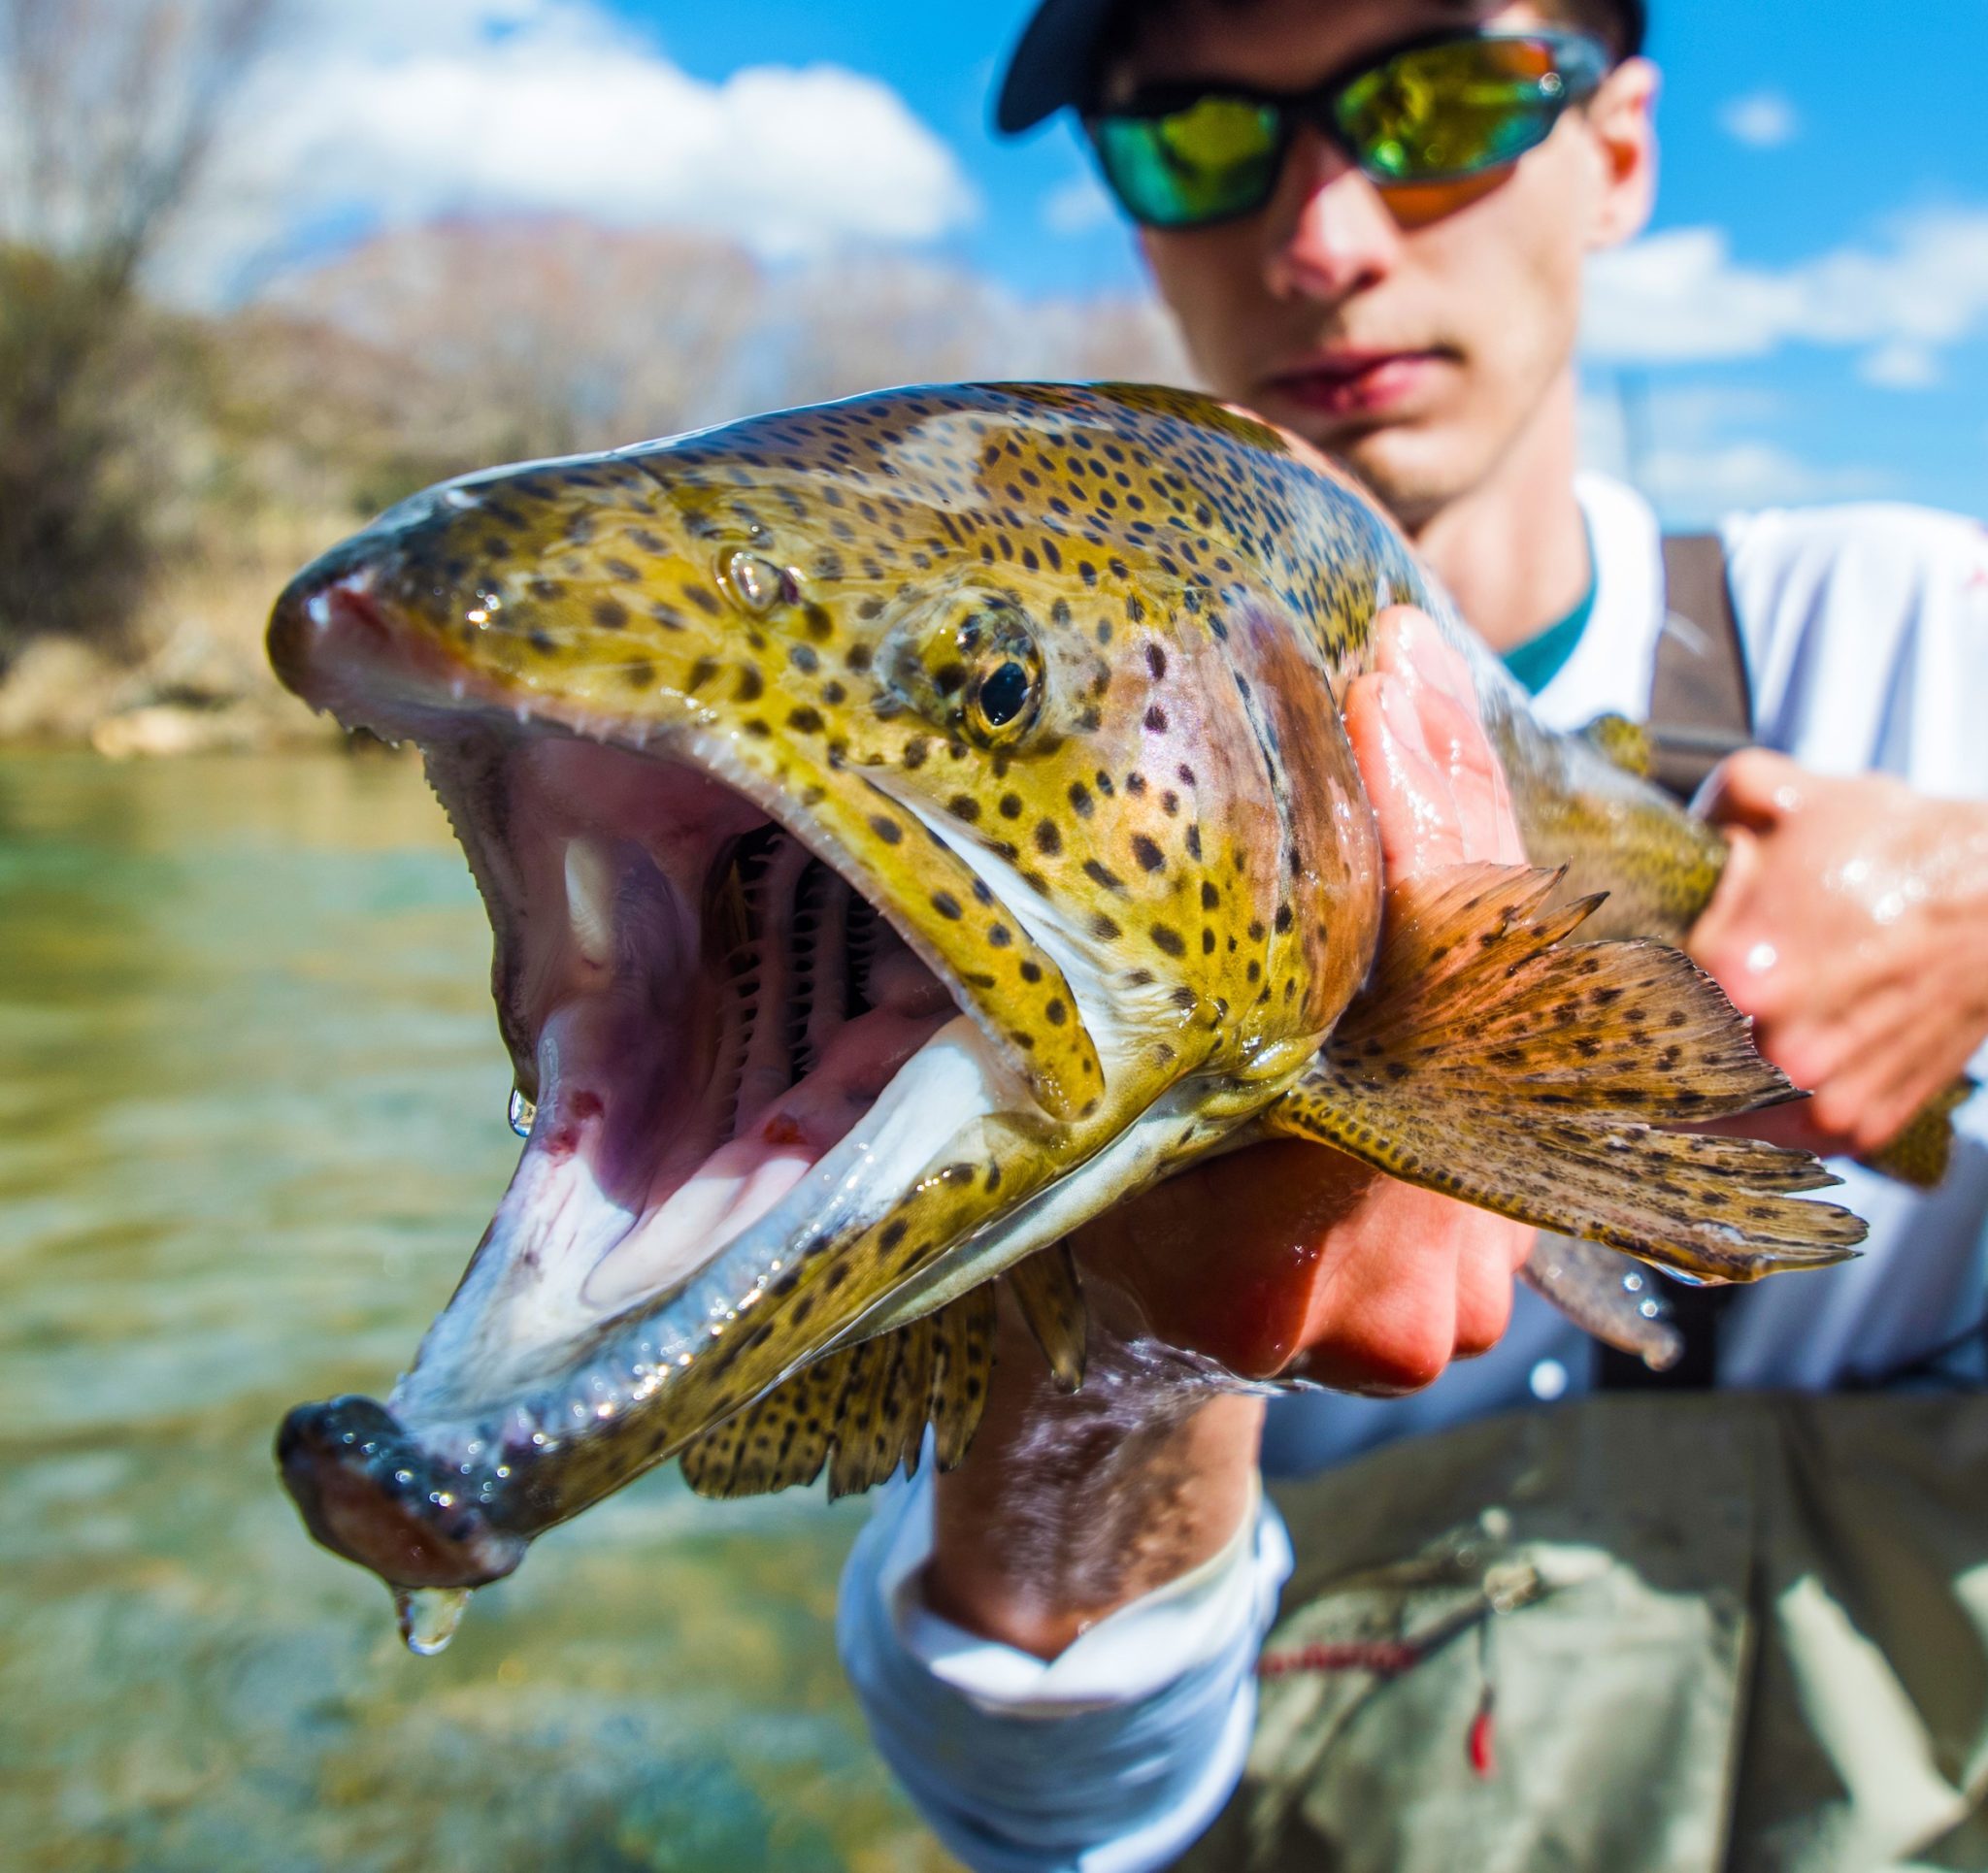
pixel 529 1401
pixel 733 1065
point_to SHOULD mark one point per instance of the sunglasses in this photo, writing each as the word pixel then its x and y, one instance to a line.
pixel 1435 110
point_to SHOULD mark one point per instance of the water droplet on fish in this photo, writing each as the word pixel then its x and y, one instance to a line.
pixel 428 1615
pixel 523 1113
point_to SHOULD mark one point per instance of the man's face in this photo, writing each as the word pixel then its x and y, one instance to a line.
pixel 1412 332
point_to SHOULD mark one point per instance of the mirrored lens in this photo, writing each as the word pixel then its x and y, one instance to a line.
pixel 1452 109
pixel 1214 158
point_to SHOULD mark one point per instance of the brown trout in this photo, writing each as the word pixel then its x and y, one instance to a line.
pixel 910 826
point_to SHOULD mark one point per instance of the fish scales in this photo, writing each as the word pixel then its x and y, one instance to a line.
pixel 1049 676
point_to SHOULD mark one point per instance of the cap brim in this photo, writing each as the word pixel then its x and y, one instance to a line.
pixel 1056 57
pixel 1051 64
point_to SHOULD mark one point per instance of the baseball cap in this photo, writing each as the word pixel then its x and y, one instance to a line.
pixel 1055 59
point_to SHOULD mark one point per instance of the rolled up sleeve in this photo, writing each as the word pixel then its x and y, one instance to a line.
pixel 1110 1759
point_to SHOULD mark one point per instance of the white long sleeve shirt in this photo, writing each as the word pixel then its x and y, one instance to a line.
pixel 1866 632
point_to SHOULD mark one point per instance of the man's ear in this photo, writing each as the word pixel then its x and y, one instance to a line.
pixel 1621 118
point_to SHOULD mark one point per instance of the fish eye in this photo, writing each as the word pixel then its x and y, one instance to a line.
pixel 975 670
pixel 1004 688
pixel 1005 693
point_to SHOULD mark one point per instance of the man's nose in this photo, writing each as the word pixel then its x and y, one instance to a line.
pixel 1336 233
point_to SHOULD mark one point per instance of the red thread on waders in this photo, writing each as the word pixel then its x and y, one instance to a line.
pixel 1385 1658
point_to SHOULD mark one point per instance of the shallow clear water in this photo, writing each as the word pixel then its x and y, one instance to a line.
pixel 252 1121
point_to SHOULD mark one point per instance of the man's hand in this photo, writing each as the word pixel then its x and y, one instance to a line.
pixel 1852 923
pixel 1068 1508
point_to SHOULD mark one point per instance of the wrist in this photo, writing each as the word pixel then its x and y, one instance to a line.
pixel 1072 1510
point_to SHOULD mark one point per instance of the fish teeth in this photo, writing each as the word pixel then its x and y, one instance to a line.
pixel 590 898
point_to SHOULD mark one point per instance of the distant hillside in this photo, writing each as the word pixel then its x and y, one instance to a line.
pixel 426 352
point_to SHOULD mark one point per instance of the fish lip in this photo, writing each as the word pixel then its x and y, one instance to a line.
pixel 370 1493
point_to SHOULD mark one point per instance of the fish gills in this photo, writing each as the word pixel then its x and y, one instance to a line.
pixel 1486 1062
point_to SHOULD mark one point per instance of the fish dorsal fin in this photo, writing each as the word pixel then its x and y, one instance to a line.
pixel 1625 743
pixel 1491 1061
pixel 862 1410
pixel 1052 1301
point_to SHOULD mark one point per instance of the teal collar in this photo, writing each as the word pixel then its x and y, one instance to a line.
pixel 1539 660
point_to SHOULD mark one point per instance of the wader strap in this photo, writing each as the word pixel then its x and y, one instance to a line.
pixel 1701 711
pixel 1701 702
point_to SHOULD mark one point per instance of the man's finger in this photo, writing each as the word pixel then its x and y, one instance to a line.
pixel 1754 788
pixel 1412 802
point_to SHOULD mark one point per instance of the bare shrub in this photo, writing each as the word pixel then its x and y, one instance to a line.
pixel 111 107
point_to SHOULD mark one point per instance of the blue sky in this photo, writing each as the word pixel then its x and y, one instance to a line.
pixel 1807 318
pixel 1802 131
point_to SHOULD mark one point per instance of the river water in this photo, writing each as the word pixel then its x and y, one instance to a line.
pixel 252 1121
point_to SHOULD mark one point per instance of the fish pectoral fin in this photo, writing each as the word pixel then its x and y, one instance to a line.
pixel 1919 1155
pixel 861 1410
pixel 1052 1301
pixel 1490 1061
pixel 1606 1297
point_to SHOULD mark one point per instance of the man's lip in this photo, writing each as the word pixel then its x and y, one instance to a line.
pixel 1348 382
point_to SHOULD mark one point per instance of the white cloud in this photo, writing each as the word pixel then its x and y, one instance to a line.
pixel 1077 206
pixel 1698 450
pixel 1761 119
pixel 1680 297
pixel 1700 481
pixel 389 112
pixel 1901 364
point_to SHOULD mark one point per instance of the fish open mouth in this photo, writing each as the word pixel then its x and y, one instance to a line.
pixel 726 1057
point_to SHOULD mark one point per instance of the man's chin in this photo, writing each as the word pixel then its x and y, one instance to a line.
pixel 1407 461
pixel 1409 469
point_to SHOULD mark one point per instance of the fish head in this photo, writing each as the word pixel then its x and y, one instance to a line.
pixel 882 822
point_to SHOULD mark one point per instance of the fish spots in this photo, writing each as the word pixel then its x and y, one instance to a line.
pixel 1156 719
pixel 963 806
pixel 611 614
pixel 1080 801
pixel 947 906
pixel 1102 875
pixel 1149 856
pixel 1168 939
pixel 1156 662
pixel 1009 807
pixel 1048 838
pixel 751 685
pixel 886 829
